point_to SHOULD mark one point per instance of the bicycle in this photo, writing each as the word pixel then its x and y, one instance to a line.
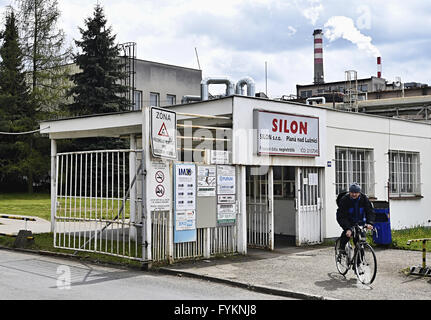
pixel 362 258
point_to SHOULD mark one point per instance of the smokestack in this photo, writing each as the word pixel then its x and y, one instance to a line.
pixel 318 57
pixel 379 67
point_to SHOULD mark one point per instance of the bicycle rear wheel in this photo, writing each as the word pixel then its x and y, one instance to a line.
pixel 365 264
pixel 341 260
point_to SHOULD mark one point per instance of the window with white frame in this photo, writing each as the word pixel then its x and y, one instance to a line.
pixel 404 173
pixel 154 99
pixel 171 99
pixel 354 165
pixel 137 100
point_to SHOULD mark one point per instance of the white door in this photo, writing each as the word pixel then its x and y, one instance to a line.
pixel 260 211
pixel 308 206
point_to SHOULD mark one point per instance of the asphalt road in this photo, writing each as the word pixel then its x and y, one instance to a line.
pixel 32 277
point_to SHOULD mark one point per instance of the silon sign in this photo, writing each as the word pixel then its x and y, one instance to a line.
pixel 163 133
pixel 286 134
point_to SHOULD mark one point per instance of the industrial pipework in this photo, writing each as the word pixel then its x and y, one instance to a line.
pixel 309 100
pixel 222 80
pixel 251 88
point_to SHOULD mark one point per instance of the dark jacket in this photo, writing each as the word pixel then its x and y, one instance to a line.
pixel 351 212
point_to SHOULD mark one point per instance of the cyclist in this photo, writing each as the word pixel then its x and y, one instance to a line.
pixel 353 208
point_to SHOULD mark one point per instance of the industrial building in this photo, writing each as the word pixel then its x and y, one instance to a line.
pixel 248 172
pixel 374 95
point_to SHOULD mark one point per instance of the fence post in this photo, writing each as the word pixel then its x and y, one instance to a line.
pixel 242 207
pixel 54 174
pixel 132 173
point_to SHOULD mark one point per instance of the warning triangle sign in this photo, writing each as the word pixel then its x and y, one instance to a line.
pixel 163 131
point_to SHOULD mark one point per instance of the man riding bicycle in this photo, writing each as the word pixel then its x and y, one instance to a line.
pixel 354 208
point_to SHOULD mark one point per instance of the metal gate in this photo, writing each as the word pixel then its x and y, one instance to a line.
pixel 309 206
pixel 260 215
pixel 96 204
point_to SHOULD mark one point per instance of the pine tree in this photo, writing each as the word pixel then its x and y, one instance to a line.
pixel 21 161
pixel 45 53
pixel 98 87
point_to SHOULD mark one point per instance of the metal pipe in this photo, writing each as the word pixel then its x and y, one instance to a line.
pixel 251 88
pixel 323 99
pixel 222 80
pixel 189 98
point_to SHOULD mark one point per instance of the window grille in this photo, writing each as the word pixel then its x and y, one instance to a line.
pixel 404 173
pixel 354 165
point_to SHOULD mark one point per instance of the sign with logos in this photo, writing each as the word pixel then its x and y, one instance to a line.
pixel 163 133
pixel 226 189
pixel 206 181
pixel 185 203
pixel 226 180
pixel 286 134
pixel 185 220
pixel 185 187
pixel 159 195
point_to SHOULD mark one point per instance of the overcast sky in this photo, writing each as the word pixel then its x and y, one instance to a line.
pixel 234 38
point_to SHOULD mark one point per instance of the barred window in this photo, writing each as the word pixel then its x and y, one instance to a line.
pixel 354 165
pixel 404 173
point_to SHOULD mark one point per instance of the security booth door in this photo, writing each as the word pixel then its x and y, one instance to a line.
pixel 260 213
pixel 308 206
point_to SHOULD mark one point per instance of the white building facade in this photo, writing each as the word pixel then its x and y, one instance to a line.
pixel 290 160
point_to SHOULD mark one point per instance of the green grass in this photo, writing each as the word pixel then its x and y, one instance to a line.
pixel 39 205
pixel 23 204
pixel 400 238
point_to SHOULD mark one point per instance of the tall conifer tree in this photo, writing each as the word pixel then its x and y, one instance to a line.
pixel 98 87
pixel 20 161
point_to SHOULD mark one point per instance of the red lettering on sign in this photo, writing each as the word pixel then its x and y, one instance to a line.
pixel 294 127
pixel 282 126
pixel 303 129
pixel 274 125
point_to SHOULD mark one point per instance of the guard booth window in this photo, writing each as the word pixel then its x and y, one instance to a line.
pixel 284 182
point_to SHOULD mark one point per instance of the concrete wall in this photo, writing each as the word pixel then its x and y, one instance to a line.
pixel 166 79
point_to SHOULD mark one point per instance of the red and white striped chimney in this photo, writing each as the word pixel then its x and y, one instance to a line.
pixel 318 57
pixel 379 67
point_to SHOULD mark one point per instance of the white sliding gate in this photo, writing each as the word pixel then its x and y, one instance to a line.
pixel 309 206
pixel 260 213
pixel 96 207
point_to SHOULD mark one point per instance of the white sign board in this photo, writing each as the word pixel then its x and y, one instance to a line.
pixel 226 199
pixel 185 220
pixel 159 196
pixel 313 179
pixel 219 157
pixel 207 180
pixel 185 187
pixel 226 180
pixel 163 133
pixel 286 134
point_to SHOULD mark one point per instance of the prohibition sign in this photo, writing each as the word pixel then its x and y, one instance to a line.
pixel 160 176
pixel 160 191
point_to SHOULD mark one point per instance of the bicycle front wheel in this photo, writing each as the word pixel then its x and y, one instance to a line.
pixel 365 264
pixel 341 260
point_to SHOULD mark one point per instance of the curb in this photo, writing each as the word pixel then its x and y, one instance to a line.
pixel 247 286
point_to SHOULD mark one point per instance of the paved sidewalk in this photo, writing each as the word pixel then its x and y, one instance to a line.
pixel 311 273
pixel 11 226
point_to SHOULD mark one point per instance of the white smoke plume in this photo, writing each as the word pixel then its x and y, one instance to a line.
pixel 343 27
